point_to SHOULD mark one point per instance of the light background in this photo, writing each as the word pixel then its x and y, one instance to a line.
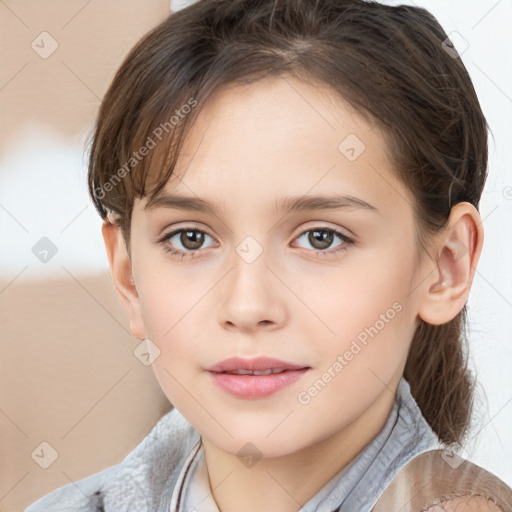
pixel 60 323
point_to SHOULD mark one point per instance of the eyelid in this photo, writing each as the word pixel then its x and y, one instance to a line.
pixel 169 233
pixel 319 224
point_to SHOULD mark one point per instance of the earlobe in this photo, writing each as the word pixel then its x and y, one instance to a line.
pixel 458 249
pixel 121 271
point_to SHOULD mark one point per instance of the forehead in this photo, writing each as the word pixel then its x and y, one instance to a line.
pixel 281 136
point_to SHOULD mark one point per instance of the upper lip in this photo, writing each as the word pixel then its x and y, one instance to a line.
pixel 255 364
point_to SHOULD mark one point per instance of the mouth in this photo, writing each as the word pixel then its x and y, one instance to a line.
pixel 256 366
pixel 255 378
pixel 269 371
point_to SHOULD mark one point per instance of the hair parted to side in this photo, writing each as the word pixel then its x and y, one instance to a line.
pixel 389 63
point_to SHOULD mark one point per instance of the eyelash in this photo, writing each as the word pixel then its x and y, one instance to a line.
pixel 346 241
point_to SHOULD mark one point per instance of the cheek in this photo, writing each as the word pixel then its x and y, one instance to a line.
pixel 365 317
pixel 167 298
pixel 351 298
pixel 175 313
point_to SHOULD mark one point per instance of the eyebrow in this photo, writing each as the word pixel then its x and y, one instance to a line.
pixel 288 204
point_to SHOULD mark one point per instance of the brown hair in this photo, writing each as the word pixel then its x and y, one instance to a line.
pixel 394 65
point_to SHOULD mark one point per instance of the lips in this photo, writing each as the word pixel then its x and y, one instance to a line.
pixel 255 378
pixel 270 371
pixel 257 366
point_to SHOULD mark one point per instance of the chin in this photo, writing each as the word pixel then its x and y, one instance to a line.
pixel 261 437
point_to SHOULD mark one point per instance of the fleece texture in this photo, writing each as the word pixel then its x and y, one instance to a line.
pixel 143 480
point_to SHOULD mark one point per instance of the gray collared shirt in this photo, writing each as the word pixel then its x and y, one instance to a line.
pixel 356 488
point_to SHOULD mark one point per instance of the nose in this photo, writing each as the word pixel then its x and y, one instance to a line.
pixel 252 297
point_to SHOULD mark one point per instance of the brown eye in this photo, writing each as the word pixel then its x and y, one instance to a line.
pixel 320 238
pixel 192 240
pixel 185 241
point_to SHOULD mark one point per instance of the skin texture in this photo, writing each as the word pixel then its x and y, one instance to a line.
pixel 298 301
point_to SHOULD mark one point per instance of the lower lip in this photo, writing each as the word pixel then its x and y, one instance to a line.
pixel 256 386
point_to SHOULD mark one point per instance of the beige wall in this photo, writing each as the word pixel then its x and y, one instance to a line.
pixel 68 375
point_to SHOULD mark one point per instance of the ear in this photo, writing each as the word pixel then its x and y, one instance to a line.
pixel 457 251
pixel 121 271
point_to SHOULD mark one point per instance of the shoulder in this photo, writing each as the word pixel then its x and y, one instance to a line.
pixel 82 496
pixel 440 481
pixel 138 481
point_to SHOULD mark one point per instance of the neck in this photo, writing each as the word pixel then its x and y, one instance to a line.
pixel 286 483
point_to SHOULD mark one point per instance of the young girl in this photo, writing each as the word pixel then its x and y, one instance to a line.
pixel 290 195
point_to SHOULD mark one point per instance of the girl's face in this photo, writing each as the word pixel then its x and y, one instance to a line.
pixel 327 288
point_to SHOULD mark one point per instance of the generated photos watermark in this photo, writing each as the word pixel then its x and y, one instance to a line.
pixel 144 150
pixel 342 360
